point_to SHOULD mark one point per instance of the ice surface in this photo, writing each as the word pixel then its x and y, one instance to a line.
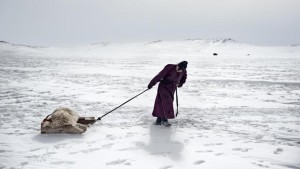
pixel 239 109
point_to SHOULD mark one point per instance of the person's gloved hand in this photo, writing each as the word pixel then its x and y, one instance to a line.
pixel 149 86
pixel 180 85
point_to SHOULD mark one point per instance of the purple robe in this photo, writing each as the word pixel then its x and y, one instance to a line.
pixel 168 78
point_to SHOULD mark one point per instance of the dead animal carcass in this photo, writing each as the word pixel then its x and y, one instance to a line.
pixel 65 120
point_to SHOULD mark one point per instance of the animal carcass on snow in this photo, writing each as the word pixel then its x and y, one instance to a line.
pixel 65 120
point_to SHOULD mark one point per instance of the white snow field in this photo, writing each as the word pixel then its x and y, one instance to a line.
pixel 239 109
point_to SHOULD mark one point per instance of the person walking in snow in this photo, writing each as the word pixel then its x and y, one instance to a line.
pixel 171 77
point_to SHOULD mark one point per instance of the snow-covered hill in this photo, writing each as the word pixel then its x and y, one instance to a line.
pixel 239 108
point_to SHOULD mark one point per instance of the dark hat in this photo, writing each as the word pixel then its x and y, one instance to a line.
pixel 182 65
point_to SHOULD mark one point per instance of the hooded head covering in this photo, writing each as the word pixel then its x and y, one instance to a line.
pixel 182 65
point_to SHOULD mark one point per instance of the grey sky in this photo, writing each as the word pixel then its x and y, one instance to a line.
pixel 70 22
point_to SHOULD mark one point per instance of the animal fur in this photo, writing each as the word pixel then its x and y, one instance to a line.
pixel 63 120
pixel 64 117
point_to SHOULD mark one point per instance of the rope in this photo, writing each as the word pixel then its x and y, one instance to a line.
pixel 99 118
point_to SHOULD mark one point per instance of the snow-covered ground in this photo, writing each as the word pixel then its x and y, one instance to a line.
pixel 239 109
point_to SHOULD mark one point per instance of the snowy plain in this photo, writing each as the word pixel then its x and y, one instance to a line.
pixel 239 109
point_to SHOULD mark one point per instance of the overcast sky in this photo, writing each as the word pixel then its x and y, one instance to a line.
pixel 73 22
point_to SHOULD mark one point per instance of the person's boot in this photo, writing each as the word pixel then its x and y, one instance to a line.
pixel 165 122
pixel 158 121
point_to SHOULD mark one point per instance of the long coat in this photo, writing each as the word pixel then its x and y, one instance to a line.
pixel 168 78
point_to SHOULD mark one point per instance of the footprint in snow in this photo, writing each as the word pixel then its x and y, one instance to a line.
pixel 90 150
pixel 128 163
pixel 3 151
pixel 111 137
pixel 166 167
pixel 117 162
pixel 198 162
pixel 261 165
pixel 61 145
pixel 278 151
pixel 140 144
pixel 24 163
pixel 63 162
pixel 242 149
pixel 219 154
pixel 91 142
pixel 213 144
pixel 128 149
pixel 107 146
pixel 204 151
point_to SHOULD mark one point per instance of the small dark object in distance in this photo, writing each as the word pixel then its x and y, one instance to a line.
pixel 215 54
